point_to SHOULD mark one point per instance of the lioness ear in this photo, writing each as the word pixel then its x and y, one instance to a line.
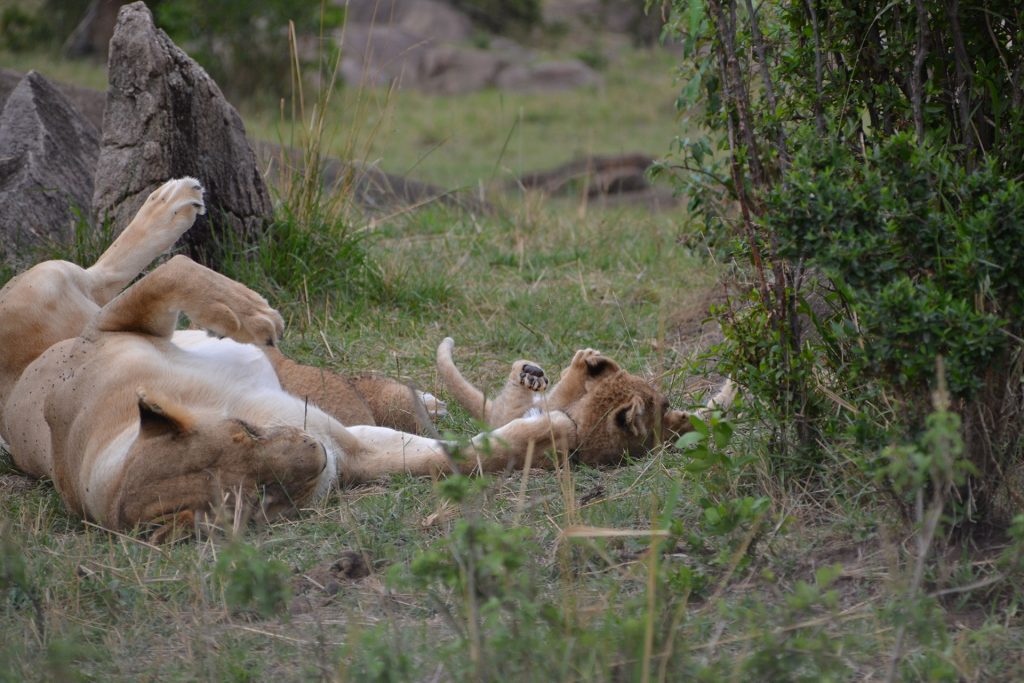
pixel 159 414
pixel 630 417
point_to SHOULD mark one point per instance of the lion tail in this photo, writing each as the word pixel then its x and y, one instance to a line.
pixel 468 396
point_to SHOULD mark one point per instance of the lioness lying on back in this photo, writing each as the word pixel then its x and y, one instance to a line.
pixel 138 424
pixel 613 413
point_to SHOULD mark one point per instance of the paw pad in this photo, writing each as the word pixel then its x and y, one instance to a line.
pixel 533 378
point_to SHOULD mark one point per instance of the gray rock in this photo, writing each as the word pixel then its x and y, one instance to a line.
pixel 375 191
pixel 166 118
pixel 436 21
pixel 378 55
pixel 428 19
pixel 448 70
pixel 547 76
pixel 47 154
pixel 89 103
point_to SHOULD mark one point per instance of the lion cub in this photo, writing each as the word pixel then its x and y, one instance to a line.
pixel 613 413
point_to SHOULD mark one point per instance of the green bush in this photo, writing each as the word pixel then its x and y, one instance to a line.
pixel 927 258
pixel 250 581
pixel 244 45
pixel 865 161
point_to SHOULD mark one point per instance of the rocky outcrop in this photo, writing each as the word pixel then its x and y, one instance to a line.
pixel 166 118
pixel 547 76
pixel 430 20
pixel 47 154
pixel 88 102
pixel 374 191
pixel 421 44
pixel 598 174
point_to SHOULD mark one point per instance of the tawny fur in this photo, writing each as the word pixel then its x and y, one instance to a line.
pixel 614 413
pixel 137 424
pixel 358 400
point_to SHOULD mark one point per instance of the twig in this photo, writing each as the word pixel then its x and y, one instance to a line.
pixel 124 536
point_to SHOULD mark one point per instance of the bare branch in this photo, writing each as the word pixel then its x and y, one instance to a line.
pixel 916 84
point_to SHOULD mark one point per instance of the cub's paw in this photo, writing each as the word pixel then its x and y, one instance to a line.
pixel 175 204
pixel 436 408
pixel 528 375
pixel 592 362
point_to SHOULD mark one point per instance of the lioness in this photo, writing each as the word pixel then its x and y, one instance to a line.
pixel 613 412
pixel 138 424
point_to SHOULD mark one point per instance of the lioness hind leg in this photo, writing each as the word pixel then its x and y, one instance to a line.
pixel 399 406
pixel 211 300
pixel 168 212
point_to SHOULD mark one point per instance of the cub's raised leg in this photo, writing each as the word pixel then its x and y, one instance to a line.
pixel 523 390
pixel 586 365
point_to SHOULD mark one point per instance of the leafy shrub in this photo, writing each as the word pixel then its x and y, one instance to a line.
pixel 21 30
pixel 33 25
pixel 927 258
pixel 872 153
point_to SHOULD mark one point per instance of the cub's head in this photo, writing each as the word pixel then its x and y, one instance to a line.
pixel 622 414
pixel 187 462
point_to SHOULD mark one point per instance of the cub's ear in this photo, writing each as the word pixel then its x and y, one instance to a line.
pixel 159 414
pixel 676 423
pixel 629 417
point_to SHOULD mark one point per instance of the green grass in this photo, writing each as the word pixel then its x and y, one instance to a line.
pixel 477 582
pixel 87 73
pixel 460 141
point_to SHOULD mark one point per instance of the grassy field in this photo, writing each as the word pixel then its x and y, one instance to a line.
pixel 476 579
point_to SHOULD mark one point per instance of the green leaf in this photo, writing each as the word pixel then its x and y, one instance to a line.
pixel 689 440
pixel 722 433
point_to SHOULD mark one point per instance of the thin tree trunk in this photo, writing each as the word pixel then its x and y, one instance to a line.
pixel 819 73
pixel 769 87
pixel 737 88
pixel 738 179
pixel 963 83
pixel 916 83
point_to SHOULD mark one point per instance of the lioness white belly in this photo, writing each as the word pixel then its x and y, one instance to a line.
pixel 248 367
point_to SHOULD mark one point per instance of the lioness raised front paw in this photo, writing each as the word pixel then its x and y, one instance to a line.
pixel 247 318
pixel 529 375
pixel 175 204
pixel 226 308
